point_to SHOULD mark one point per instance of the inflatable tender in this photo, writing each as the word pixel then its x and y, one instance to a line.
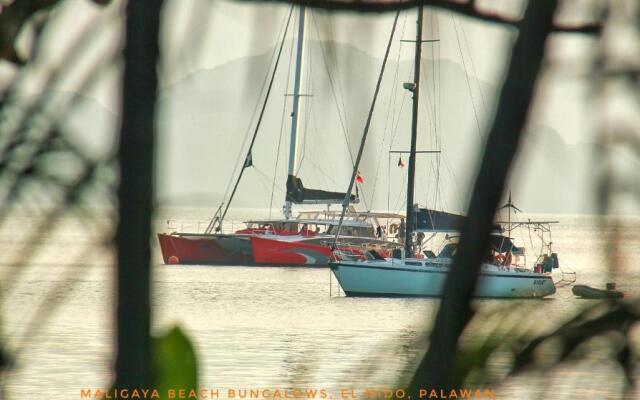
pixel 588 292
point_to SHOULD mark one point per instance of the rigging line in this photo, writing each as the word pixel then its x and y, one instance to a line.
pixel 396 78
pixel 454 181
pixel 273 183
pixel 313 115
pixel 282 120
pixel 307 118
pixel 333 181
pixel 439 77
pixel 333 90
pixel 335 96
pixel 395 132
pixel 398 205
pixel 436 62
pixel 240 162
pixel 386 121
pixel 308 107
pixel 340 93
pixel 316 145
pixel 395 84
pixel 257 129
pixel 347 196
pixel 466 75
pixel 388 182
pixel 429 105
pixel 437 91
pixel 426 106
pixel 387 130
pixel 397 122
pixel 473 68
pixel 266 177
pixel 438 198
pixel 521 230
pixel 364 197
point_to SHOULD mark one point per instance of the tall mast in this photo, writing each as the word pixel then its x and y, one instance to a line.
pixel 410 227
pixel 293 146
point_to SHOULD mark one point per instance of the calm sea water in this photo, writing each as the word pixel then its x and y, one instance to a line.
pixel 264 327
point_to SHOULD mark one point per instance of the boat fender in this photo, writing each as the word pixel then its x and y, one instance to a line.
pixel 393 228
pixel 174 260
pixel 547 263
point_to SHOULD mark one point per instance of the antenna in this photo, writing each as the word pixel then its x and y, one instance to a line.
pixel 509 205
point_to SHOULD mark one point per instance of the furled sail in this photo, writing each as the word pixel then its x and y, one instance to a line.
pixel 440 221
pixel 298 194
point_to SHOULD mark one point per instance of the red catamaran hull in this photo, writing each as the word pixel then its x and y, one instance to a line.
pixel 312 252
pixel 206 249
pixel 275 252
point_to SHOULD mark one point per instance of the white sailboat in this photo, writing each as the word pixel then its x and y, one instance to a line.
pixel 502 275
pixel 420 278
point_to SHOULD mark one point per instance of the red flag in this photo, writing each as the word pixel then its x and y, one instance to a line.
pixel 400 162
pixel 359 178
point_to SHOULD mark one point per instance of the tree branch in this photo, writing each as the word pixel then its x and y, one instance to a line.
pixel 135 194
pixel 467 9
pixel 438 366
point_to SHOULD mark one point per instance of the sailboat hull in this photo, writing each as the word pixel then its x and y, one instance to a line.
pixel 296 253
pixel 312 252
pixel 205 249
pixel 426 279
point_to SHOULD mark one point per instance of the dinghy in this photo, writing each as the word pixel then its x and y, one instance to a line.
pixel 588 292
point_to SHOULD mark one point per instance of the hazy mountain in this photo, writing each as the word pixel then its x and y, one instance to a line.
pixel 206 119
pixel 552 176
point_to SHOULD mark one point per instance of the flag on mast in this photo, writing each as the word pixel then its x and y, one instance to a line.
pixel 248 162
pixel 359 178
pixel 400 162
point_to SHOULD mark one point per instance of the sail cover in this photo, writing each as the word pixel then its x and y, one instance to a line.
pixel 298 194
pixel 441 221
pixel 503 244
pixel 437 221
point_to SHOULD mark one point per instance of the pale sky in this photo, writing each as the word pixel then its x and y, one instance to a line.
pixel 239 29
pixel 219 32
pixel 227 30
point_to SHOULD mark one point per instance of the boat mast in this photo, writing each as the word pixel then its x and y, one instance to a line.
pixel 410 226
pixel 509 218
pixel 293 146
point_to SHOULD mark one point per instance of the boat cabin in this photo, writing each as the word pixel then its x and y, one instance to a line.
pixel 309 228
pixel 313 223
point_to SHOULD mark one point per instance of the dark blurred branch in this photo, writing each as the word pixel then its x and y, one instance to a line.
pixel 14 16
pixel 437 367
pixel 135 194
pixel 589 29
pixel 619 317
pixel 468 9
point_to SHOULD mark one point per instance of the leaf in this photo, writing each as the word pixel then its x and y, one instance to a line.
pixel 14 16
pixel 175 364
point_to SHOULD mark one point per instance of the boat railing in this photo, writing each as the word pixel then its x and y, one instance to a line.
pixel 567 279
pixel 200 225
